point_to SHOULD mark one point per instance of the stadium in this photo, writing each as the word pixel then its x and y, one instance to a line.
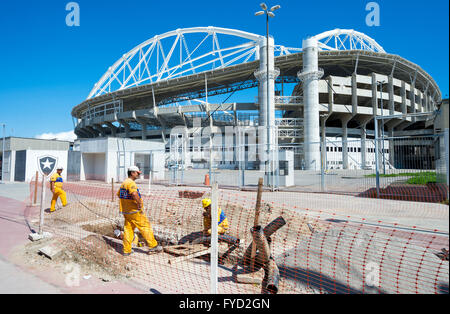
pixel 330 93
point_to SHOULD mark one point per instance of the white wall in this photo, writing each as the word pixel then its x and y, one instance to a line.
pixel 32 162
pixel 118 154
pixel 94 166
pixel 8 168
pixel 334 156
pixel 158 165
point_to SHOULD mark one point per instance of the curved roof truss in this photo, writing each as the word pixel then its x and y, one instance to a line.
pixel 195 50
pixel 347 39
pixel 179 53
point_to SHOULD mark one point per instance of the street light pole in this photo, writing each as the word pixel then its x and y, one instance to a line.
pixel 268 13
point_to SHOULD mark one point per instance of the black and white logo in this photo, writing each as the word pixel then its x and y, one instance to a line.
pixel 47 164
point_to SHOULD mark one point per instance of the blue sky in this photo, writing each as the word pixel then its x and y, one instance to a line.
pixel 47 67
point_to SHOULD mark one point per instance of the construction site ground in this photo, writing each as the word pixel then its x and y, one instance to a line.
pixel 320 227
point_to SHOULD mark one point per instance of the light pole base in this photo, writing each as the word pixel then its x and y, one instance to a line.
pixel 37 237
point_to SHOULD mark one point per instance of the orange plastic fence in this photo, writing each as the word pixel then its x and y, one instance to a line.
pixel 328 244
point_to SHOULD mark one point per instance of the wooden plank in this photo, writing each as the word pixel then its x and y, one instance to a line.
pixel 256 221
pixel 258 202
pixel 184 249
pixel 250 278
pixel 187 257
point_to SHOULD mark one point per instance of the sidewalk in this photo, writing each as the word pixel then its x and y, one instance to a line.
pixel 15 279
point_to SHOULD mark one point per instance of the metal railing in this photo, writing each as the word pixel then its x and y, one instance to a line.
pixel 102 110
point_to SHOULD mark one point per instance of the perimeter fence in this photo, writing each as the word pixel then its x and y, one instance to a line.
pixel 304 242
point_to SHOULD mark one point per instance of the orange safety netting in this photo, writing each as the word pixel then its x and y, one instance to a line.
pixel 320 243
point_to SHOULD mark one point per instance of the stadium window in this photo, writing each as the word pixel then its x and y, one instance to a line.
pixel 359 149
pixel 340 149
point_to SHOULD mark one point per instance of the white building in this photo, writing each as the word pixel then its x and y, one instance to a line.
pixel 100 159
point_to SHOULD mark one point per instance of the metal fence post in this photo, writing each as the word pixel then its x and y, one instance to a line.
pixel 41 220
pixel 36 182
pixel 322 167
pixel 446 143
pixel 150 172
pixel 214 236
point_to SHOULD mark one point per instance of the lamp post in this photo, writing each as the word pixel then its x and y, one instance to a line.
pixel 268 13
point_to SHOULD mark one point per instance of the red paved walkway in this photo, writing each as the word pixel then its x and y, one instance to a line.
pixel 14 232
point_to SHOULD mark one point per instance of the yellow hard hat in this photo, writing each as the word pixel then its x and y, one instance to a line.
pixel 206 202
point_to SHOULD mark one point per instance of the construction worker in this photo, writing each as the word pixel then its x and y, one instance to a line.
pixel 132 208
pixel 56 184
pixel 221 219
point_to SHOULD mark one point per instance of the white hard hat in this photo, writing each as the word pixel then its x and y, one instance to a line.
pixel 134 168
pixel 60 168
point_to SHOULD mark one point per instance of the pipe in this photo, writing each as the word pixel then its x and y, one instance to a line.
pixel 262 245
pixel 222 238
pixel 272 277
pixel 270 229
pixel 227 253
pixel 273 227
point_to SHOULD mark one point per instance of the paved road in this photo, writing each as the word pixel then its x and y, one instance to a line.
pixel 15 279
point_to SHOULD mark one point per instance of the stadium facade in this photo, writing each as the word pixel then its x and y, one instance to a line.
pixel 341 80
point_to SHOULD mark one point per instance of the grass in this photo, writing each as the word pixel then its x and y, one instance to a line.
pixel 420 178
pixel 423 178
pixel 404 174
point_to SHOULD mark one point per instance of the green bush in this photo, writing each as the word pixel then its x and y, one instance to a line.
pixel 423 178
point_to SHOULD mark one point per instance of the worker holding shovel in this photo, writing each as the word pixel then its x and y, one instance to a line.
pixel 132 208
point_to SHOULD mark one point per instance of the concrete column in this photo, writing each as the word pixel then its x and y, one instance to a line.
pixel 330 95
pixel 144 131
pixel 403 94
pixel 430 103
pixel 412 96
pixel 420 101
pixel 310 77
pixel 354 94
pixel 344 122
pixel 391 146
pixel 425 100
pixel 374 95
pixel 266 96
pixel 363 146
pixel 391 104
